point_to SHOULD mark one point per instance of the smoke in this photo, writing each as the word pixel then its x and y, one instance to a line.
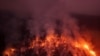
pixel 12 30
pixel 55 20
pixel 43 19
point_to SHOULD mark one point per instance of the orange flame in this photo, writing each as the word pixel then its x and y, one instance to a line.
pixel 64 44
pixel 9 52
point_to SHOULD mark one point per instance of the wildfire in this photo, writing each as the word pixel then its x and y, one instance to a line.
pixel 54 46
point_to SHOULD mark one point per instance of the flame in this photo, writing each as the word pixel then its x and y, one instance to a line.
pixel 53 44
pixel 89 50
pixel 9 52
pixel 86 46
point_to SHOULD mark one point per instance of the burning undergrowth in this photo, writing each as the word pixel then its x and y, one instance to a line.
pixel 57 36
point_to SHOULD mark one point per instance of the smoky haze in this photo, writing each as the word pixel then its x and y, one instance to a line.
pixel 44 15
pixel 91 7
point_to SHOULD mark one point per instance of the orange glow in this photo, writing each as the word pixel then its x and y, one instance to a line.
pixel 89 50
pixel 53 42
pixel 92 53
pixel 9 52
pixel 86 46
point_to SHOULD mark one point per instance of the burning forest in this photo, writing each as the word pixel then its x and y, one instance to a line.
pixel 53 46
pixel 57 36
pixel 51 31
